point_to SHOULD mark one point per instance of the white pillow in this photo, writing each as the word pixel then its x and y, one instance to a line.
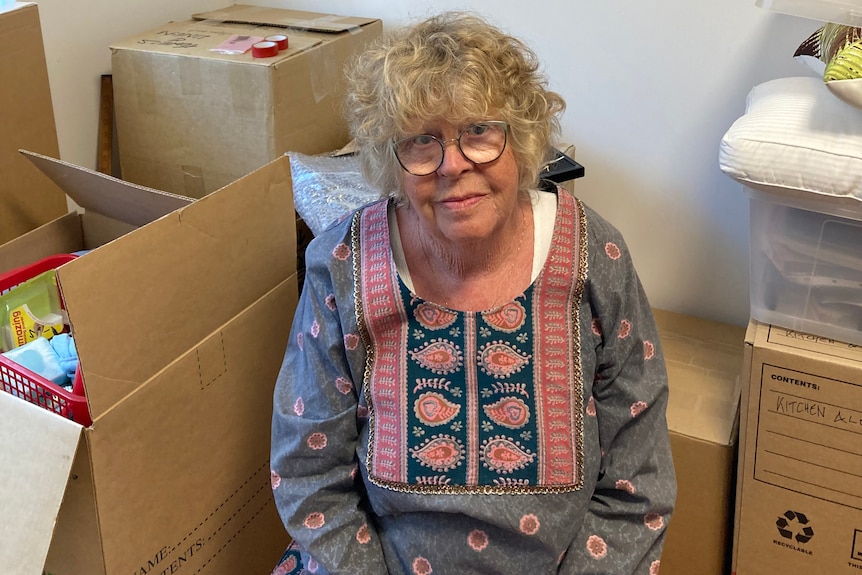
pixel 796 137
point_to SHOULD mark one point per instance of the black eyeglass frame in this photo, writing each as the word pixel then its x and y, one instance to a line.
pixel 444 143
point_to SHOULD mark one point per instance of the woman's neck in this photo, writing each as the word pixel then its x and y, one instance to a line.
pixel 473 275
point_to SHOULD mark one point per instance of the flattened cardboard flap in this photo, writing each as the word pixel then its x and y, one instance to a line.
pixel 704 364
pixel 296 19
pixel 107 195
pixel 36 452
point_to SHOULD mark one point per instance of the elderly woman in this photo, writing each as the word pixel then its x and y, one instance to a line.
pixel 474 382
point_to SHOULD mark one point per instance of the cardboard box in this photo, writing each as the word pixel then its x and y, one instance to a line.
pixel 180 327
pixel 27 198
pixel 191 120
pixel 704 363
pixel 799 506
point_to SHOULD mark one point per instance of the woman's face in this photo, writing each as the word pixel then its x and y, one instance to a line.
pixel 462 201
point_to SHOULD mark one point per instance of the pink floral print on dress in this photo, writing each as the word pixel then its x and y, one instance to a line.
pixel 654 521
pixel 363 536
pixel 316 441
pixel 637 408
pixel 421 566
pixel 341 252
pixel 529 524
pixel 330 302
pixel 625 485
pixel 649 350
pixel 597 547
pixel 343 385
pixel 315 520
pixel 625 329
pixel 478 540
pixel 351 341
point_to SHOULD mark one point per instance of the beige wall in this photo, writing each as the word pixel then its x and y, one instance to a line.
pixel 651 88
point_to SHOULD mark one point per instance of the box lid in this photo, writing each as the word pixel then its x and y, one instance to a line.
pixel 704 364
pixel 283 18
pixel 789 341
pixel 106 195
pixel 838 11
pixel 209 34
pixel 35 462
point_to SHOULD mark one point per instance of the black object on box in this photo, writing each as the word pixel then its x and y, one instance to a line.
pixel 561 168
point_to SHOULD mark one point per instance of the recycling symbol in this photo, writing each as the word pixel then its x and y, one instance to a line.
pixel 794 525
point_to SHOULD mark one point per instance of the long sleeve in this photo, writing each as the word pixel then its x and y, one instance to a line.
pixel 315 427
pixel 624 528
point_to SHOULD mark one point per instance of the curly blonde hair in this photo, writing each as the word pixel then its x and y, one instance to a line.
pixel 453 66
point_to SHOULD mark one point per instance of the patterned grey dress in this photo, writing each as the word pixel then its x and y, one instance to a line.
pixel 409 438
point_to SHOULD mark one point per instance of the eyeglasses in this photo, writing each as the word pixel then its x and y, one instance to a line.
pixel 480 143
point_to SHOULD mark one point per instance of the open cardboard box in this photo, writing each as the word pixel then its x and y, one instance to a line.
pixel 28 199
pixel 191 119
pixel 180 315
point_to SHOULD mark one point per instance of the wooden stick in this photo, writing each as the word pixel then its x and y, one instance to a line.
pixel 105 146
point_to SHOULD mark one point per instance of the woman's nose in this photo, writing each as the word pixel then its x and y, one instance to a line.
pixel 454 161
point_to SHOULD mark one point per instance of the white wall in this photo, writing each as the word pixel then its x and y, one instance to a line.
pixel 651 88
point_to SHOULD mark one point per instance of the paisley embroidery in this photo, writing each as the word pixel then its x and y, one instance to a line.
pixel 500 360
pixel 504 455
pixel 472 402
pixel 287 567
pixel 510 412
pixel 433 409
pixel 438 356
pixel 508 319
pixel 433 317
pixel 441 453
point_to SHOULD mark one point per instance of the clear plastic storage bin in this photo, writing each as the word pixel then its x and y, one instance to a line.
pixel 806 264
pixel 838 11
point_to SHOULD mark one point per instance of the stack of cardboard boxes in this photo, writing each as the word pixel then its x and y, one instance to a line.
pixel 799 486
pixel 180 314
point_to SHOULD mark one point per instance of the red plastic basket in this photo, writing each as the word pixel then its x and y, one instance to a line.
pixel 32 387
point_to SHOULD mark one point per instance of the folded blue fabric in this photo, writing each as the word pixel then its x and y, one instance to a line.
pixel 39 357
pixel 67 355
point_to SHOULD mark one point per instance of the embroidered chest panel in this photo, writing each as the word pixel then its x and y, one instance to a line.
pixel 463 402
